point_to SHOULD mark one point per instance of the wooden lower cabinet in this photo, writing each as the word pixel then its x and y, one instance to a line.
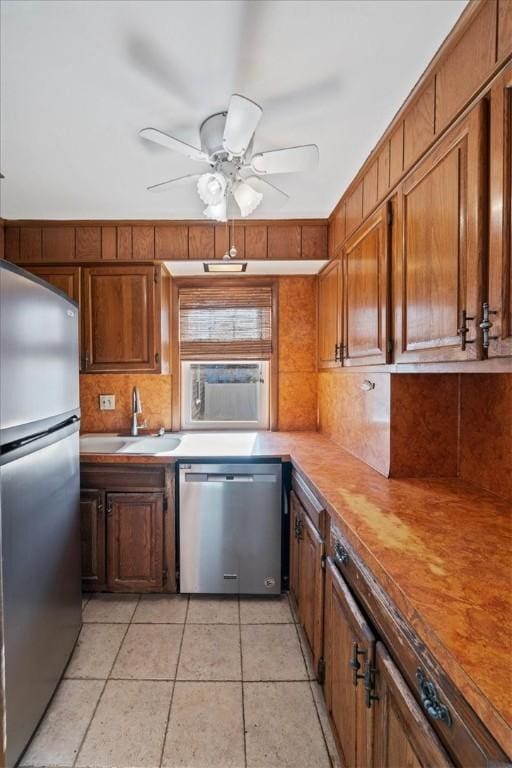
pixel 92 535
pixel 127 528
pixel 135 542
pixel 349 645
pixel 401 734
pixel 307 578
pixel 376 720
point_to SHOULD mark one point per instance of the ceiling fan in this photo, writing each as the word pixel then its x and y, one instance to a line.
pixel 235 172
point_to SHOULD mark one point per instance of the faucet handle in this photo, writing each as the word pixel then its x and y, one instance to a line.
pixel 161 432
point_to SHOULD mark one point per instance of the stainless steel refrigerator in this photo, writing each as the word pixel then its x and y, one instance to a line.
pixel 39 498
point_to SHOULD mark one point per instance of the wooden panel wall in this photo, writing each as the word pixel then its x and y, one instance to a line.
pixel 478 45
pixel 32 242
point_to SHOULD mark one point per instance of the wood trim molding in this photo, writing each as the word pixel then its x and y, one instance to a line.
pixel 184 282
pixel 154 222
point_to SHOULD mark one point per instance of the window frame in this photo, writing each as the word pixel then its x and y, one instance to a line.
pixel 222 281
pixel 264 400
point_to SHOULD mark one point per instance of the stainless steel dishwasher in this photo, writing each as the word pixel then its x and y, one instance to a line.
pixel 230 528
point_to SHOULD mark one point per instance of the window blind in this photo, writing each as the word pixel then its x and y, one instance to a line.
pixel 225 323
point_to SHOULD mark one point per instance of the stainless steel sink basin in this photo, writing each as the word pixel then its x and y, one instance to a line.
pixel 151 445
pixel 118 444
pixel 101 444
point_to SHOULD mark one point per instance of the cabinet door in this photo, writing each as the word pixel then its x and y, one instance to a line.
pixel 295 528
pixel 439 249
pixel 402 734
pixel 365 293
pixel 349 647
pixel 311 587
pixel 66 279
pixel 500 246
pixel 121 319
pixel 329 315
pixel 92 537
pixel 135 542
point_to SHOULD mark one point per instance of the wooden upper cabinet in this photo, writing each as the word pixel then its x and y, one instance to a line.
pixel 465 67
pixel 337 226
pixel 314 241
pixel 402 735
pixel 135 542
pixel 354 210
pixel 121 319
pixel 370 190
pixel 124 243
pixel 171 242
pixel 201 242
pixel 284 241
pixel 88 243
pixel 396 154
pixel 349 647
pixel 143 243
pixel 311 588
pixel 504 28
pixel 383 171
pixel 500 243
pixel 366 292
pixel 255 241
pixel 438 248
pixel 31 244
pixel 92 538
pixel 329 315
pixel 419 125
pixel 58 244
pixel 66 279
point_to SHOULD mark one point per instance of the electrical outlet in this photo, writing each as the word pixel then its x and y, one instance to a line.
pixel 107 402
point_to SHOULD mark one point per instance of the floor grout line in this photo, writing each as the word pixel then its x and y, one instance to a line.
pixel 242 683
pixel 82 742
pixel 174 685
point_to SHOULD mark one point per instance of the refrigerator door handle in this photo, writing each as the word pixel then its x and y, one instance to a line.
pixel 38 435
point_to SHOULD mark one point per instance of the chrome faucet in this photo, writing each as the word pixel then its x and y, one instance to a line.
pixel 136 409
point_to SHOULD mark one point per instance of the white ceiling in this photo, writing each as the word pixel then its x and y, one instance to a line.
pixel 80 78
pixel 255 267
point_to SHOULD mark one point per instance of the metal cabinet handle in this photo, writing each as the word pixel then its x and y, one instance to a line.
pixel 340 553
pixel 486 324
pixel 430 701
pixel 369 684
pixel 464 330
pixel 298 528
pixel 355 664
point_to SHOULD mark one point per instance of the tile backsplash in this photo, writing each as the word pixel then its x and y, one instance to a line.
pixel 155 394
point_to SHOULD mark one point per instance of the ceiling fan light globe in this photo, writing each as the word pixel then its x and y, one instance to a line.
pixel 219 212
pixel 246 197
pixel 211 188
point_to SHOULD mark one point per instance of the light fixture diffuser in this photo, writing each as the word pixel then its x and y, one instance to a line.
pixel 224 266
pixel 246 197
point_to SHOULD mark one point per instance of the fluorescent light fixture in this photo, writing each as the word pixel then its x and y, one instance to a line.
pixel 224 266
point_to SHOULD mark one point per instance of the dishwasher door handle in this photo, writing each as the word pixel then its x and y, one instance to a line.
pixel 229 478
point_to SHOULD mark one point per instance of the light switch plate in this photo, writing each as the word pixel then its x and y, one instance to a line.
pixel 107 402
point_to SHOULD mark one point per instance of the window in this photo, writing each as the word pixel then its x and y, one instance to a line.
pixel 225 395
pixel 225 343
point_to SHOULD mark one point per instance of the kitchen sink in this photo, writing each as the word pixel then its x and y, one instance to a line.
pixel 101 444
pixel 162 444
pixel 137 445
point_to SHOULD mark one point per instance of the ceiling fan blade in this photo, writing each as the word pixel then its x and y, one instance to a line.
pixel 290 160
pixel 163 186
pixel 241 121
pixel 272 195
pixel 159 137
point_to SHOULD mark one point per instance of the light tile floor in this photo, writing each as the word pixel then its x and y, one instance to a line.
pixel 186 683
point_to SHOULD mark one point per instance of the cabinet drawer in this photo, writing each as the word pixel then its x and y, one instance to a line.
pixel 313 507
pixel 461 731
pixel 117 477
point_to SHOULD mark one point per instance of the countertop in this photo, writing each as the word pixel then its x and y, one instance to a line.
pixel 441 549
